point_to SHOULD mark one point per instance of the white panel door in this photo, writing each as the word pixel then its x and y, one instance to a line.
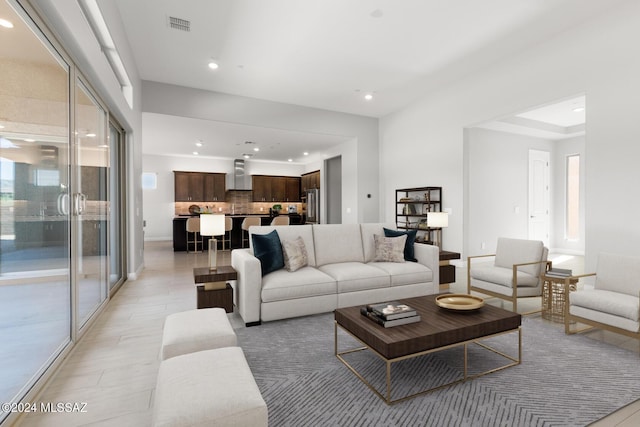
pixel 539 198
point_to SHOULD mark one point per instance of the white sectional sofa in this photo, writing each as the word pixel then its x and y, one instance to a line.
pixel 341 272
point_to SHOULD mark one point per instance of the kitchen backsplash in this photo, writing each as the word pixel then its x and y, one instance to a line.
pixel 237 203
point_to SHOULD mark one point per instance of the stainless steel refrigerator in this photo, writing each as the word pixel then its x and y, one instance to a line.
pixel 313 206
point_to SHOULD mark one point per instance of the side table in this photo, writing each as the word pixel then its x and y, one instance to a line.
pixel 215 290
pixel 447 271
pixel 553 296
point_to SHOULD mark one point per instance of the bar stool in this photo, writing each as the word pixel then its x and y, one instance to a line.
pixel 280 220
pixel 193 228
pixel 228 226
pixel 246 223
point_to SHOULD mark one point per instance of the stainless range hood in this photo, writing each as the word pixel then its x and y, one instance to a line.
pixel 240 181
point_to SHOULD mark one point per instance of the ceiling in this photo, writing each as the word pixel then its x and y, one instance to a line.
pixel 175 136
pixel 558 120
pixel 328 54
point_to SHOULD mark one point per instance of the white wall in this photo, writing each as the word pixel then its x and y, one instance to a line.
pixel 498 186
pixel 159 203
pixel 562 149
pixel 423 143
pixel 361 164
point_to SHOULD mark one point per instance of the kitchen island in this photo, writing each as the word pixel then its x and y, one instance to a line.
pixel 180 230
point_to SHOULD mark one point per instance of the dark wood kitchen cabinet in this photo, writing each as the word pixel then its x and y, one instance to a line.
pixel 268 188
pixel 278 188
pixel 292 193
pixel 214 187
pixel 261 186
pixel 199 187
pixel 309 181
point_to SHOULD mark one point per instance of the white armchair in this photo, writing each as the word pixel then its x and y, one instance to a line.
pixel 614 301
pixel 515 273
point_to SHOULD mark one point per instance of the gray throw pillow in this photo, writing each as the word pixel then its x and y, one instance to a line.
pixel 389 249
pixel 295 254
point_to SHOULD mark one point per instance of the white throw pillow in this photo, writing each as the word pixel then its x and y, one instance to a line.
pixel 295 254
pixel 389 249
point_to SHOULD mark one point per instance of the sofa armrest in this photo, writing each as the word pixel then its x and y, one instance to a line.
pixel 429 255
pixel 248 285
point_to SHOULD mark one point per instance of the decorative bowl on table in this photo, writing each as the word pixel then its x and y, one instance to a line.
pixel 459 302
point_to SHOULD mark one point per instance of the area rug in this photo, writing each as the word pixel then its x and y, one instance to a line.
pixel 562 380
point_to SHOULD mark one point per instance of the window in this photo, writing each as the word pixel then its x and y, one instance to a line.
pixel 149 181
pixel 572 231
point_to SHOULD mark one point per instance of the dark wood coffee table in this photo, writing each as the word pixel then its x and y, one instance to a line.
pixel 438 329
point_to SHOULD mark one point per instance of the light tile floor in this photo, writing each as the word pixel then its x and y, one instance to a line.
pixel 113 368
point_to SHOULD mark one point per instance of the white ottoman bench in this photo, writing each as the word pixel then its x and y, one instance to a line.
pixel 208 388
pixel 196 330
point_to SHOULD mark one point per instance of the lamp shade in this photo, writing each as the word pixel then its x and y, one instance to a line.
pixel 437 219
pixel 212 225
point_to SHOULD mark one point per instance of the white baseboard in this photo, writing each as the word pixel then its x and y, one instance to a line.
pixel 158 239
pixel 136 274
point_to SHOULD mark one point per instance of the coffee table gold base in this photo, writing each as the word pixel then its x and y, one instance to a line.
pixel 388 362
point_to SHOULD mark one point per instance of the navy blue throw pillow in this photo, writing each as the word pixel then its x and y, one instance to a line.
pixel 409 253
pixel 267 248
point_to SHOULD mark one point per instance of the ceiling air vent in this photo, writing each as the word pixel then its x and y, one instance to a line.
pixel 179 24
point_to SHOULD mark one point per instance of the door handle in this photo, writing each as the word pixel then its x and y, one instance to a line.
pixel 79 203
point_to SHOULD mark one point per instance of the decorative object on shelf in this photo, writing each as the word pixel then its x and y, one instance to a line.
pixel 459 302
pixel 438 220
pixel 212 225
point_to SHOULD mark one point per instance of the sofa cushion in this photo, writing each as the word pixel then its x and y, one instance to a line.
pixel 295 254
pixel 519 251
pixel 368 230
pixel 618 273
pixel 306 282
pixel 389 249
pixel 409 252
pixel 286 232
pixel 356 276
pixel 406 273
pixel 503 276
pixel 268 249
pixel 615 303
pixel 336 243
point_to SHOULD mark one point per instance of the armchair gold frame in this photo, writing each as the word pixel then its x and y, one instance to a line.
pixel 591 324
pixel 513 298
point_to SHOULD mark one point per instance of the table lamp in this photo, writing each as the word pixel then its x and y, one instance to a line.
pixel 212 225
pixel 438 220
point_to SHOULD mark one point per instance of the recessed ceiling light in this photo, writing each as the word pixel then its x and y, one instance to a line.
pixel 256 149
pixel 198 144
pixel 91 135
pixel 195 153
pixel 213 65
pixel 368 97
pixel 29 140
pixel 290 160
pixel 305 153
pixel 578 109
pixel 5 23
pixel 1 127
pixel 103 146
pixel 246 156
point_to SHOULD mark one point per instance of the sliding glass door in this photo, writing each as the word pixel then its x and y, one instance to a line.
pixel 56 151
pixel 90 202
pixel 35 272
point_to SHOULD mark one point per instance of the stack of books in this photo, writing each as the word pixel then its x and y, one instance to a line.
pixel 389 314
pixel 559 273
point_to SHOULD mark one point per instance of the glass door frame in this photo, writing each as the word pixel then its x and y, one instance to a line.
pixel 122 198
pixel 76 221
